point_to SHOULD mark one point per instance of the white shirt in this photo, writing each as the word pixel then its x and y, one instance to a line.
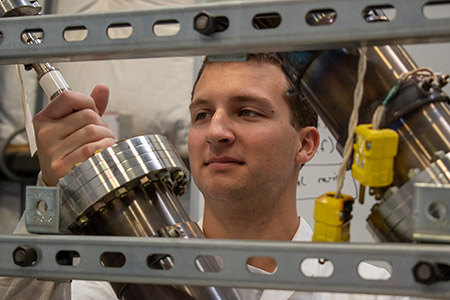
pixel 315 269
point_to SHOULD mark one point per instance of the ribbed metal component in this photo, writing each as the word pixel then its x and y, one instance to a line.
pixel 99 179
pixel 130 189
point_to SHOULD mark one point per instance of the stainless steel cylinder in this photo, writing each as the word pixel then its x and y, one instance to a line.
pixel 422 134
pixel 330 80
pixel 329 84
pixel 420 115
pixel 131 189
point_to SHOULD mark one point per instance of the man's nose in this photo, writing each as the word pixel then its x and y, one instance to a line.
pixel 220 130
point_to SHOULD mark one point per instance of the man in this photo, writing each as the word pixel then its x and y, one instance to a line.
pixel 246 148
pixel 248 140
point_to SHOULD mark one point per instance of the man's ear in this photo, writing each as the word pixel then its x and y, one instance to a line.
pixel 309 141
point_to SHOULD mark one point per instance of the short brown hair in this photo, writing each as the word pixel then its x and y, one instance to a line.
pixel 302 114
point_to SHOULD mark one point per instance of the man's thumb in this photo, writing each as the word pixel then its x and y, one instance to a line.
pixel 100 94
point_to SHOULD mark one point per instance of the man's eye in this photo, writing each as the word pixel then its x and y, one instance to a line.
pixel 200 116
pixel 247 113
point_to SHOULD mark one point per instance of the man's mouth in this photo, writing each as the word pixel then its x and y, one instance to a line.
pixel 223 160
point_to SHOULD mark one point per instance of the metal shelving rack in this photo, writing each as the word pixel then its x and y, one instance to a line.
pixel 293 33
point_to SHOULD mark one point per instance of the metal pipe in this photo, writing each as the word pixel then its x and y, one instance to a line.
pixel 329 93
pixel 419 113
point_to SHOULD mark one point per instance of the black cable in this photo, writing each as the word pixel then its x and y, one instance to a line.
pixel 3 165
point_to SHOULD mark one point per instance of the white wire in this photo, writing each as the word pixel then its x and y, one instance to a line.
pixel 378 114
pixel 419 72
pixel 353 122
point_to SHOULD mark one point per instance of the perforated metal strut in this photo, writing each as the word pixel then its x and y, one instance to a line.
pixel 351 28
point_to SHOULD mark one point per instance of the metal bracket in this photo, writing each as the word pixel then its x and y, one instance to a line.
pixel 431 212
pixel 42 209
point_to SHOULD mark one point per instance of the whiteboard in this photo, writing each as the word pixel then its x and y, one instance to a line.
pixel 320 174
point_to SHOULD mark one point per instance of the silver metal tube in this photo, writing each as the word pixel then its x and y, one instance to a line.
pixel 50 79
pixel 329 93
pixel 420 116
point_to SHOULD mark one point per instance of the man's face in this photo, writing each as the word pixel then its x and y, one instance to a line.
pixel 241 142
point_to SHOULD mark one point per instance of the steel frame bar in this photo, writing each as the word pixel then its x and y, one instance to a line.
pixel 288 255
pixel 350 29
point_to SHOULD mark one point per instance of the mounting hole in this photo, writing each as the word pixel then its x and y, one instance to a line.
pixel 160 261
pixel 75 34
pixel 437 211
pixel 316 267
pixel 119 31
pixel 32 36
pixel 205 260
pixel 112 259
pixel 437 10
pixel 166 28
pixel 265 260
pixel 68 258
pixel 379 13
pixel 266 20
pixel 41 208
pixel 320 17
pixel 366 270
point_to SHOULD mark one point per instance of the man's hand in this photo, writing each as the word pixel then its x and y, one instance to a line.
pixel 69 130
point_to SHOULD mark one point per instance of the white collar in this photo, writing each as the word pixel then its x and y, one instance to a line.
pixel 304 232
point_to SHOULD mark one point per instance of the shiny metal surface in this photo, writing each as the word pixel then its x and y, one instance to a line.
pixel 133 215
pixel 130 189
pixel 11 8
pixel 391 219
pixel 330 80
pixel 121 165
pixel 431 213
pixel 421 118
pixel 421 135
pixel 150 209
pixel 422 131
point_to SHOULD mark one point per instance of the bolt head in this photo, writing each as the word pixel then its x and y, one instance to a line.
pixel 204 23
pixel 24 256
pixel 425 272
pixel 201 22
